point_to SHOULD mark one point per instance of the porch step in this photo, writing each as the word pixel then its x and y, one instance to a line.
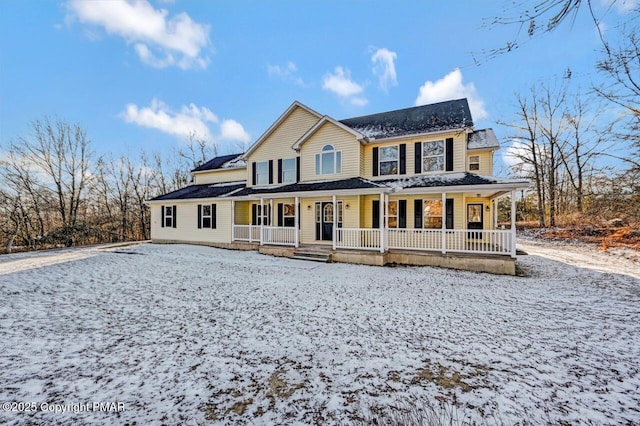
pixel 312 255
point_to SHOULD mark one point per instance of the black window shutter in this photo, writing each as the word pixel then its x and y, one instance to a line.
pixel 213 216
pixel 175 216
pixel 403 159
pixel 375 161
pixel 254 173
pixel 162 210
pixel 449 214
pixel 270 171
pixel 254 214
pixel 375 221
pixel 280 214
pixel 199 216
pixel 402 213
pixel 417 212
pixel 299 211
pixel 280 171
pixel 298 169
pixel 418 156
pixel 449 154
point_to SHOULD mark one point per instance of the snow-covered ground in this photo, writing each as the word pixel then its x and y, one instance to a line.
pixel 197 335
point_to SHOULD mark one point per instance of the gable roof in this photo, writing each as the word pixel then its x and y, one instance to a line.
pixel 201 191
pixel 440 116
pixel 217 163
pixel 482 139
pixel 277 123
pixel 325 119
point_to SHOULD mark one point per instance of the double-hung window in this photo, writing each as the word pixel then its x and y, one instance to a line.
pixel 392 214
pixel 169 219
pixel 289 170
pixel 432 214
pixel 389 160
pixel 206 216
pixel 474 162
pixel 433 159
pixel 289 214
pixel 329 161
pixel 262 173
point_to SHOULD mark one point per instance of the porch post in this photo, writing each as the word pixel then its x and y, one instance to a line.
pixel 233 220
pixel 381 215
pixel 297 223
pixel 513 224
pixel 335 221
pixel 444 223
pixel 261 218
pixel 271 212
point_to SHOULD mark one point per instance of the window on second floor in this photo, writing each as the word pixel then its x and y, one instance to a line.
pixel 433 156
pixel 329 161
pixel 389 160
pixel 262 173
pixel 289 170
pixel 474 162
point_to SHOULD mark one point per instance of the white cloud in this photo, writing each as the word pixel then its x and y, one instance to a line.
pixel 385 68
pixel 341 84
pixel 359 101
pixel 451 87
pixel 159 40
pixel 189 120
pixel 287 72
pixel 232 130
pixel 622 6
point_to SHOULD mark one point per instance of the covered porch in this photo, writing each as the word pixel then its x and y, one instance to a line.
pixel 347 221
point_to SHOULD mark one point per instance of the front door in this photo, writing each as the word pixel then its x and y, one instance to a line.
pixel 475 219
pixel 324 221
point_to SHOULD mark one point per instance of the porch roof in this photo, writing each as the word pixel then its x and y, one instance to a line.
pixel 201 191
pixel 446 179
pixel 330 185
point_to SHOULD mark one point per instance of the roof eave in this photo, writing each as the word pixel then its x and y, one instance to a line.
pixel 466 129
pixel 326 119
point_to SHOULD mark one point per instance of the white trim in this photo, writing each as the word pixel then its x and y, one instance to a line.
pixel 371 140
pixel 397 173
pixel 444 222
pixel 276 124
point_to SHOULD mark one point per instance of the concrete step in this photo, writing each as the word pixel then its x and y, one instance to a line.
pixel 314 256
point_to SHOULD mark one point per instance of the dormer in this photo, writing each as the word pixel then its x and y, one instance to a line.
pixel 224 168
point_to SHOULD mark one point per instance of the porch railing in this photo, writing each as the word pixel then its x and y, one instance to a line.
pixel 250 233
pixel 358 238
pixel 481 241
pixel 279 235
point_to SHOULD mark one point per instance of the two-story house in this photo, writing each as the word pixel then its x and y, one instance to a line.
pixel 412 186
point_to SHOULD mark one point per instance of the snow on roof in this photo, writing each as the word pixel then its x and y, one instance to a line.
pixel 445 179
pixel 482 139
pixel 222 161
pixel 440 116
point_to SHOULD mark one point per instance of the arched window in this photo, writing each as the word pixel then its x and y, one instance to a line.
pixel 329 161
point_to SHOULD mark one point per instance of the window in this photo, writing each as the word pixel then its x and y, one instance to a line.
pixel 389 160
pixel 432 214
pixel 289 170
pixel 206 216
pixel 433 156
pixel 289 215
pixel 392 214
pixel 262 173
pixel 168 217
pixel 263 215
pixel 329 161
pixel 474 162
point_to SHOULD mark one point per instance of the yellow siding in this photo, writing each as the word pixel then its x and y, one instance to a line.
pixel 486 215
pixel 350 216
pixel 486 162
pixel 459 213
pixel 187 223
pixel 242 213
pixel 278 144
pixel 223 175
pixel 459 153
pixel 342 141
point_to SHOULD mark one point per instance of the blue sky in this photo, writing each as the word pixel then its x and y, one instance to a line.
pixel 143 74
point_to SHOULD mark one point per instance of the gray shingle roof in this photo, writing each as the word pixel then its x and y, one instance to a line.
pixel 482 139
pixel 200 191
pixel 446 115
pixel 216 163
pixel 332 185
pixel 445 179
